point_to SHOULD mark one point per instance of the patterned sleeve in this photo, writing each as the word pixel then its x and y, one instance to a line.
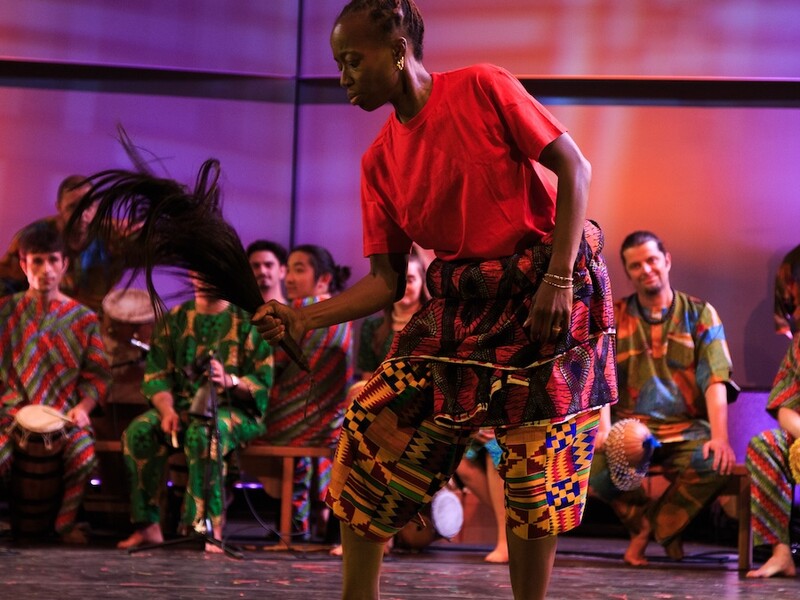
pixel 786 387
pixel 95 376
pixel 256 367
pixel 159 366
pixel 714 359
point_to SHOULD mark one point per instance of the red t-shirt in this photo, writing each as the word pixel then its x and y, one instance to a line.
pixel 461 177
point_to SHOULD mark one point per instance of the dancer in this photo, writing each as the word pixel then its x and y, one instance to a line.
pixel 519 333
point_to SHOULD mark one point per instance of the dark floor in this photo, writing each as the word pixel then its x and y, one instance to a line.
pixel 586 568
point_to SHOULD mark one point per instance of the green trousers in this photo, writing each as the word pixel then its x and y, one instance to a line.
pixel 146 449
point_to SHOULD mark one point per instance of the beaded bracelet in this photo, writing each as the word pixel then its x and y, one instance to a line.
pixel 557 285
pixel 559 277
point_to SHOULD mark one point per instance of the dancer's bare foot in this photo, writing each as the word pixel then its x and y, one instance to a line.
pixel 141 537
pixel 779 564
pixel 497 556
pixel 337 549
pixel 634 554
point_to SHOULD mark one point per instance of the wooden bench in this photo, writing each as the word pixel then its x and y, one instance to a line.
pixel 277 483
pixel 738 485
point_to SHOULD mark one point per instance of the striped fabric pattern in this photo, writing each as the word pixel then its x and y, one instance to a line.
pixel 307 410
pixel 771 487
pixel 52 355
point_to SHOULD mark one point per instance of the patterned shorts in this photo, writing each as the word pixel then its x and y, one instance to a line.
pixel 393 457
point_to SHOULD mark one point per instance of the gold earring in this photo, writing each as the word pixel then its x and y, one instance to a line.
pixel 401 63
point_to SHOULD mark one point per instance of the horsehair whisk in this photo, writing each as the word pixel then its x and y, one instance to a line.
pixel 157 222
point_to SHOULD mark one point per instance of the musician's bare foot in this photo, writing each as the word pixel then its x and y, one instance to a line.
pixel 74 536
pixel 779 564
pixel 634 554
pixel 147 535
pixel 213 548
pixel 498 556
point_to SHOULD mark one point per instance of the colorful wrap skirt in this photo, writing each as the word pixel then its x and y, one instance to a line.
pixel 484 368
pixel 464 362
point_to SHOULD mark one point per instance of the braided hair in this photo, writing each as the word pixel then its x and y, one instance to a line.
pixel 390 16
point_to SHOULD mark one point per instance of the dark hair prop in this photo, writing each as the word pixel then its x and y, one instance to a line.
pixel 159 222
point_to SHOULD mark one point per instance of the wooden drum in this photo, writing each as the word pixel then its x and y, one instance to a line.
pixel 128 321
pixel 37 470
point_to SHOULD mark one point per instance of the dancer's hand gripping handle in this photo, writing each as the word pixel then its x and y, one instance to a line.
pixel 283 325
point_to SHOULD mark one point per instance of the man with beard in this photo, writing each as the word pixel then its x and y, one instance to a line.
pixel 268 261
pixel 674 372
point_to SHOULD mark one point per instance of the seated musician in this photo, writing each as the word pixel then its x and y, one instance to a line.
pixel 308 410
pixel 200 337
pixel 674 373
pixel 52 355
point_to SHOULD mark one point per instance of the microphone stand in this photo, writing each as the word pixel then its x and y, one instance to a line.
pixel 203 530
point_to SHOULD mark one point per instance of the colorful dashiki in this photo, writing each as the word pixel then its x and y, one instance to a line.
pixel 772 485
pixel 177 363
pixel 308 410
pixel 664 368
pixel 52 356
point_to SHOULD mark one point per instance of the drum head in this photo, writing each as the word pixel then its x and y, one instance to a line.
pixel 40 419
pixel 129 306
pixel 447 513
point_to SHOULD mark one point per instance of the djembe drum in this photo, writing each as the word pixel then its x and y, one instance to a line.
pixel 39 436
pixel 128 321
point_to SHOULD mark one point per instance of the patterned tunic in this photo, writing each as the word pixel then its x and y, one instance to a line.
pixel 52 356
pixel 665 368
pixel 308 410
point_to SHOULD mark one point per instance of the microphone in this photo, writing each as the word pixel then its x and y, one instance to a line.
pixel 139 344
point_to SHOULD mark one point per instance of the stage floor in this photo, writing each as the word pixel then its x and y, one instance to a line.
pixel 586 568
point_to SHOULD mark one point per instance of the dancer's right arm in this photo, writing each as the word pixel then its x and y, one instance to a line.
pixel 384 283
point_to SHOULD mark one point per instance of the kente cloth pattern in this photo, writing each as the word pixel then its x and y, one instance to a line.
pixel 484 369
pixel 546 474
pixel 771 487
pixel 146 449
pixel 693 485
pixel 665 368
pixel 307 410
pixel 52 356
pixel 393 457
